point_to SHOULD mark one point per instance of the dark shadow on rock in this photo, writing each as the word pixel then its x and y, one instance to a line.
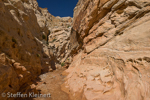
pixel 53 64
pixel 26 89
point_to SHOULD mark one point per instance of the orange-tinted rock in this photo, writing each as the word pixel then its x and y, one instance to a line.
pixel 113 51
pixel 19 48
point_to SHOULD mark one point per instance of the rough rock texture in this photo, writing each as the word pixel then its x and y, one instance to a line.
pixel 20 36
pixel 25 43
pixel 59 39
pixel 112 39
pixel 14 76
pixel 58 44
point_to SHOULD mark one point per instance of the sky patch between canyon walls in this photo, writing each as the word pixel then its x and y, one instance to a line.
pixel 62 8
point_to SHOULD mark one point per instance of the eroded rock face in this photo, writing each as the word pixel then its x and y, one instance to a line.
pixel 19 32
pixel 112 39
pixel 58 45
pixel 13 75
pixel 60 37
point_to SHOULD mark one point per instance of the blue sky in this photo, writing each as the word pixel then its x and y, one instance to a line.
pixel 62 8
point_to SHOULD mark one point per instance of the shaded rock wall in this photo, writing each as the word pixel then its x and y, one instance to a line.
pixel 58 44
pixel 25 43
pixel 111 39
pixel 21 52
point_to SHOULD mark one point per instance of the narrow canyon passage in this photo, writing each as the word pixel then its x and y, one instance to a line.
pixel 104 51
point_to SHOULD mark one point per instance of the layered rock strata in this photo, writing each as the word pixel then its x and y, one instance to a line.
pixel 59 39
pixel 25 43
pixel 111 39
pixel 21 51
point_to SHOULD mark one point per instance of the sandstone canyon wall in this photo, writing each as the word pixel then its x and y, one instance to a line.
pixel 59 40
pixel 24 31
pixel 20 61
pixel 111 41
pixel 108 40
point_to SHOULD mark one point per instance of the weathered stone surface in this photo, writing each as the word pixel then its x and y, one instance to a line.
pixel 58 45
pixel 59 42
pixel 21 55
pixel 112 40
pixel 108 39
